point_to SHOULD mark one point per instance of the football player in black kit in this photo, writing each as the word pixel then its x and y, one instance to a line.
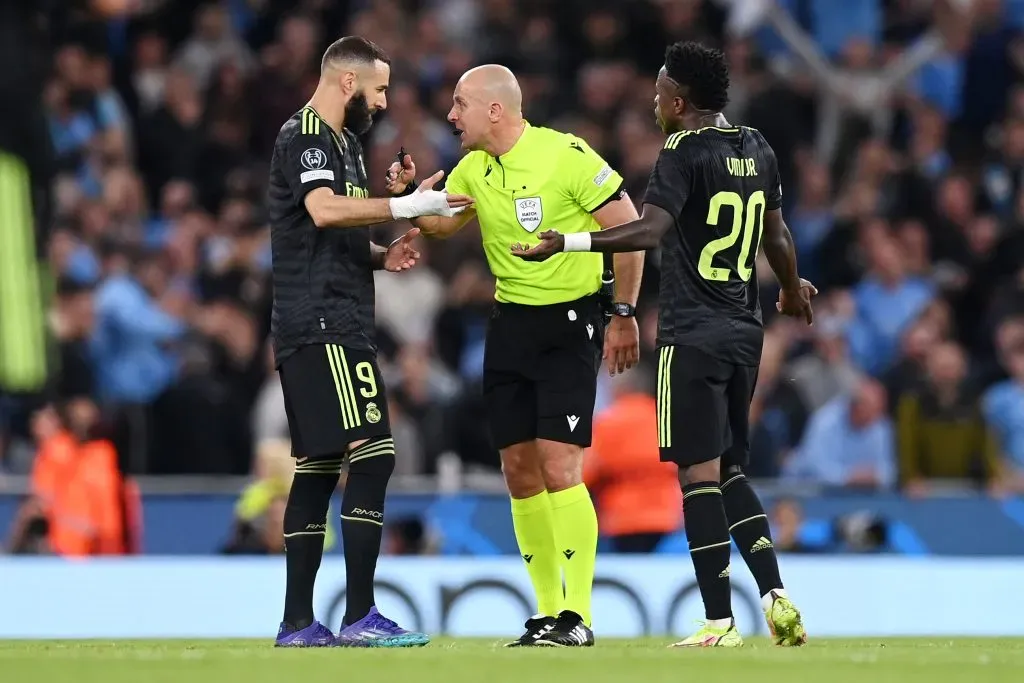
pixel 323 330
pixel 713 192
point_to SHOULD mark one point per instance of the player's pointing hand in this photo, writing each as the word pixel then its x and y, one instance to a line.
pixel 551 242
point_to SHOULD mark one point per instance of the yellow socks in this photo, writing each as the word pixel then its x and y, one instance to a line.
pixel 532 520
pixel 575 524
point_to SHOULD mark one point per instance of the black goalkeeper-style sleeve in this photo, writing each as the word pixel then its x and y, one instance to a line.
pixel 309 163
pixel 670 182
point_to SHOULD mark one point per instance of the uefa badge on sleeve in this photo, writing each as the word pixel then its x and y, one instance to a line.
pixel 530 213
pixel 315 161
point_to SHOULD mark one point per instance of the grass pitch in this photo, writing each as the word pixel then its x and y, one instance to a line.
pixel 483 661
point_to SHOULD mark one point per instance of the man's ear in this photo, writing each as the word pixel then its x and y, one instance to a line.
pixel 495 111
pixel 349 82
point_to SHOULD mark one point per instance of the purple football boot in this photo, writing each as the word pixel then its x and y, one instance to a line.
pixel 376 630
pixel 314 635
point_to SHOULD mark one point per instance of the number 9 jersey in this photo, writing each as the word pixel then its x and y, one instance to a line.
pixel 717 183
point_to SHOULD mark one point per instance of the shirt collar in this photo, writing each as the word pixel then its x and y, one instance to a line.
pixel 522 147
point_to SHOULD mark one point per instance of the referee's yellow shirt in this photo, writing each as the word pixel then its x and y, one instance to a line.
pixel 547 181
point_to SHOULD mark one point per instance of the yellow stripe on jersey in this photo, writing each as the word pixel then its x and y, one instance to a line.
pixel 673 140
pixel 310 122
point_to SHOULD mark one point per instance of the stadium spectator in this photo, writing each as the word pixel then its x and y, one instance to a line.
pixel 849 442
pixel 941 431
pixel 908 373
pixel 637 496
pixel 77 488
pixel 887 301
pixel 827 371
pixel 787 518
pixel 1004 402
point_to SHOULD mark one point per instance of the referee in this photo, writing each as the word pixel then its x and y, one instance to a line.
pixel 544 341
pixel 323 330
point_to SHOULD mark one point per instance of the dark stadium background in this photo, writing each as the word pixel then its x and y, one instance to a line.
pixel 899 127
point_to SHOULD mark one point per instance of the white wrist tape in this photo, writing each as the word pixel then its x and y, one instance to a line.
pixel 577 241
pixel 404 207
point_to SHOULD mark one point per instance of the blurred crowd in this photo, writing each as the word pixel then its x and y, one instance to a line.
pixel 163 121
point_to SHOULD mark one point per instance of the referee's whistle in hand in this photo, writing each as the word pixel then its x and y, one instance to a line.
pixel 401 173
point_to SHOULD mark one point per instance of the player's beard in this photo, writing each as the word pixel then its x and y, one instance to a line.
pixel 358 117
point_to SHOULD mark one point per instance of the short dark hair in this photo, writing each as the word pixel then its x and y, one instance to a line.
pixel 354 49
pixel 703 71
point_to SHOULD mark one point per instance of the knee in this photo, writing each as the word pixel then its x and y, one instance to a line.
pixel 701 472
pixel 522 471
pixel 375 457
pixel 561 465
pixel 731 474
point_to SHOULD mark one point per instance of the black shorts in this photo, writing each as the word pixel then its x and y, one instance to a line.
pixel 703 407
pixel 333 396
pixel 540 371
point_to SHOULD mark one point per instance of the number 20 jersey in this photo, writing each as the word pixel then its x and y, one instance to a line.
pixel 717 183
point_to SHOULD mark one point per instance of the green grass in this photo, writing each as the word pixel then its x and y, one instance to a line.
pixel 482 661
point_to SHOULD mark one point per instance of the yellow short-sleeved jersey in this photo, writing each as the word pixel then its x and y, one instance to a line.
pixel 547 181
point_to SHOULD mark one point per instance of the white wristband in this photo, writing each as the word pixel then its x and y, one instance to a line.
pixel 576 241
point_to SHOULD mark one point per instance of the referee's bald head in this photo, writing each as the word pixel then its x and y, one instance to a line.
pixel 487 104
pixel 493 83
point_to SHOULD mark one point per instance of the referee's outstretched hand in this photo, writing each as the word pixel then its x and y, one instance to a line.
pixel 551 242
pixel 798 304
pixel 400 254
pixel 455 201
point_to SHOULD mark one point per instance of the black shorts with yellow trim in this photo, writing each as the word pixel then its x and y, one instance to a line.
pixel 703 407
pixel 333 396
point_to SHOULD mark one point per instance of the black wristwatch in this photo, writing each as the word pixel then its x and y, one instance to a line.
pixel 623 310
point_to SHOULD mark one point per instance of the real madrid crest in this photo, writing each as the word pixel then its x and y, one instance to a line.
pixel 529 212
pixel 372 413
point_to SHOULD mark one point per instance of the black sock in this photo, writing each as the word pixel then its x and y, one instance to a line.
pixel 305 523
pixel 362 521
pixel 748 525
pixel 708 534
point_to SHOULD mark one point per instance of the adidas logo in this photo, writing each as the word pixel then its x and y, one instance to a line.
pixel 527 558
pixel 578 635
pixel 725 572
pixel 761 544
pixel 568 554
